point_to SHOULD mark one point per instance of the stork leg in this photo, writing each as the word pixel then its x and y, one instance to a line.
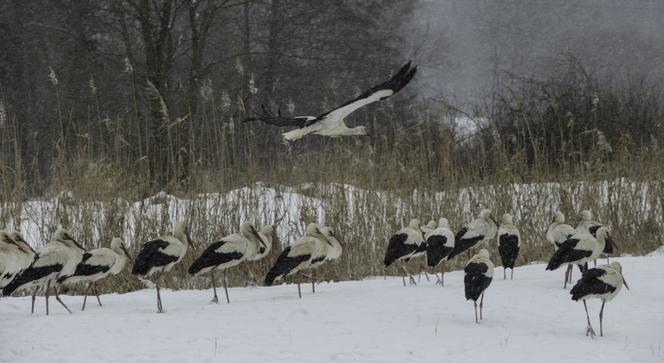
pixel 226 286
pixel 589 329
pixel 94 289
pixel 595 263
pixel 160 308
pixel 410 277
pixel 439 280
pixel 48 289
pixel 512 273
pixel 481 305
pixel 299 292
pixel 215 299
pixel 601 316
pixel 313 283
pixel 504 275
pixel 404 280
pixel 34 296
pixel 57 297
pixel 475 303
pixel 85 297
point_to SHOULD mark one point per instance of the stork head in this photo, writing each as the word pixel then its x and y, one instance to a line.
pixel 268 231
pixel 358 131
pixel 488 216
pixel 329 234
pixel 484 253
pixel 22 243
pixel 431 224
pixel 507 219
pixel 119 247
pixel 414 224
pixel 618 267
pixel 249 231
pixel 64 236
pixel 181 232
pixel 443 223
pixel 312 230
pixel 586 216
pixel 559 217
pixel 6 239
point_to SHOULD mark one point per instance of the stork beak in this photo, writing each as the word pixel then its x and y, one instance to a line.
pixel 78 245
pixel 191 243
pixel 258 237
pixel 625 282
pixel 613 243
pixel 124 249
pixel 494 220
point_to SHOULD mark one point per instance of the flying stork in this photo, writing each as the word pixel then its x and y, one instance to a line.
pixel 479 230
pixel 160 255
pixel 440 243
pixel 478 275
pixel 56 258
pixel 96 265
pixel 603 282
pixel 402 245
pixel 331 123
pixel 228 252
pixel 509 243
pixel 579 249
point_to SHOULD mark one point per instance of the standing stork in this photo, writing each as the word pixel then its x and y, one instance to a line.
pixel 478 276
pixel 579 249
pixel 96 265
pixel 479 230
pixel 440 243
pixel 57 257
pixel 557 233
pixel 331 250
pixel 603 282
pixel 589 226
pixel 299 256
pixel 402 245
pixel 509 243
pixel 331 123
pixel 160 255
pixel 19 259
pixel 267 235
pixel 228 252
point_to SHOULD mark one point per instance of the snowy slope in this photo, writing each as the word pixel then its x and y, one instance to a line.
pixel 530 319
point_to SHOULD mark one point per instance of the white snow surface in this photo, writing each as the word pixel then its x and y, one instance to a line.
pixel 529 319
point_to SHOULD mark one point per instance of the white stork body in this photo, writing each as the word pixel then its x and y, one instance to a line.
pixel 228 252
pixel 11 258
pixel 478 275
pixel 579 249
pixel 478 231
pixel 509 244
pixel 403 245
pixel 160 255
pixel 603 282
pixel 588 225
pixel 440 243
pixel 331 123
pixel 558 232
pixel 56 258
pixel 300 256
pixel 96 265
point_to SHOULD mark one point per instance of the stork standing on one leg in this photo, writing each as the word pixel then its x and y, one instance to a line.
pixel 160 255
pixel 478 276
pixel 603 282
pixel 440 243
pixel 228 252
pixel 557 233
pixel 579 249
pixel 96 265
pixel 479 230
pixel 299 256
pixel 56 258
pixel 589 226
pixel 402 245
pixel 509 243
pixel 331 123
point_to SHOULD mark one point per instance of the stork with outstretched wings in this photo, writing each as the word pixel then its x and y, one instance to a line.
pixel 331 123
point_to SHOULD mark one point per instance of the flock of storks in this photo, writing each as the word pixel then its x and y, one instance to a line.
pixel 64 261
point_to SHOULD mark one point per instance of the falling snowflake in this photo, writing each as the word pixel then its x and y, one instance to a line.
pixel 252 86
pixel 52 76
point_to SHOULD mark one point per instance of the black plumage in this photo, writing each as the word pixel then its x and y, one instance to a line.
pixel 210 257
pixel 590 284
pixel 398 248
pixel 567 253
pixel 284 265
pixel 475 280
pixel 437 250
pixel 30 274
pixel 83 269
pixel 508 248
pixel 151 256
pixel 462 244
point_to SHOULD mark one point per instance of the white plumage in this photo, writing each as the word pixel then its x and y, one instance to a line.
pixel 603 282
pixel 440 243
pixel 579 249
pixel 57 258
pixel 588 225
pixel 228 252
pixel 480 230
pixel 558 232
pixel 403 245
pixel 160 255
pixel 96 265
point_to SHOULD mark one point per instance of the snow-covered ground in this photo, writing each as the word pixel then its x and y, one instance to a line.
pixel 530 319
